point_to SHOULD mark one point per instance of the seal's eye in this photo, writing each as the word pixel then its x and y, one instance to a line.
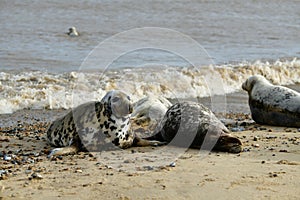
pixel 115 99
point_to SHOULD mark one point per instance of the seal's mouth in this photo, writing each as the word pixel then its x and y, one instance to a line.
pixel 130 109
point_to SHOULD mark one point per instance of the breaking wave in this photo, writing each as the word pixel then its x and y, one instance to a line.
pixel 37 90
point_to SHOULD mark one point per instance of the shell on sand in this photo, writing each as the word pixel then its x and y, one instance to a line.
pixel 272 104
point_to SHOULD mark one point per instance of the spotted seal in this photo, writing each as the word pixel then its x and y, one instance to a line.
pixel 73 32
pixel 190 124
pixel 272 104
pixel 96 126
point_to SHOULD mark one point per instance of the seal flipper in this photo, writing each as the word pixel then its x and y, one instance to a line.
pixel 63 151
pixel 142 142
pixel 229 143
pixel 158 137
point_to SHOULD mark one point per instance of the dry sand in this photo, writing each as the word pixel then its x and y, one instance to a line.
pixel 269 167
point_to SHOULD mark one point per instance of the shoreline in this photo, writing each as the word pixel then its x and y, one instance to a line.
pixel 235 103
pixel 267 169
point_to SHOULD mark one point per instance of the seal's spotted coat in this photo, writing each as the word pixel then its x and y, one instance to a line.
pixel 96 126
pixel 190 124
pixel 272 104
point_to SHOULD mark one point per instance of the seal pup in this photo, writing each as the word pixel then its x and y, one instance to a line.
pixel 73 32
pixel 190 124
pixel 96 126
pixel 272 104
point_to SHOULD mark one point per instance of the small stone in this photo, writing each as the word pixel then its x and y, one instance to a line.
pixel 285 162
pixel 263 162
pixel 273 174
pixel 237 129
pixel 283 150
pixel 14 162
pixel 7 157
pixel 255 145
pixel 256 138
pixel 78 171
pixel 271 137
pixel 59 157
pixel 3 172
pixel 91 155
pixel 149 168
pixel 86 185
pixel 36 154
pixel 4 140
pixel 173 164
pixel 35 176
pixel 128 161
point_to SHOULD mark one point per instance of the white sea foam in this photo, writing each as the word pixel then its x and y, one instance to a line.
pixel 35 89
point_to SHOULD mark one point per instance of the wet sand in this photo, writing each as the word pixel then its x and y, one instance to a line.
pixel 268 168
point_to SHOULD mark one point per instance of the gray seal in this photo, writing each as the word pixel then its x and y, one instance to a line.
pixel 190 124
pixel 73 32
pixel 96 126
pixel 149 111
pixel 272 104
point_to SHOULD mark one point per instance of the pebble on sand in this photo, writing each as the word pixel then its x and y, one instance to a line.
pixel 35 176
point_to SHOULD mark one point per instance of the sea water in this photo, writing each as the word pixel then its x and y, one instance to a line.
pixel 42 67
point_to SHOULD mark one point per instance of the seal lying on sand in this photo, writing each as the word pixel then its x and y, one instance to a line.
pixel 96 126
pixel 272 104
pixel 149 111
pixel 190 124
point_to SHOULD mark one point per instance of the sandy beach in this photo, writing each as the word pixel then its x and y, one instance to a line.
pixel 200 50
pixel 268 168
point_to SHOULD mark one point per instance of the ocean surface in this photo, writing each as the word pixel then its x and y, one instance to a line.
pixel 177 49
